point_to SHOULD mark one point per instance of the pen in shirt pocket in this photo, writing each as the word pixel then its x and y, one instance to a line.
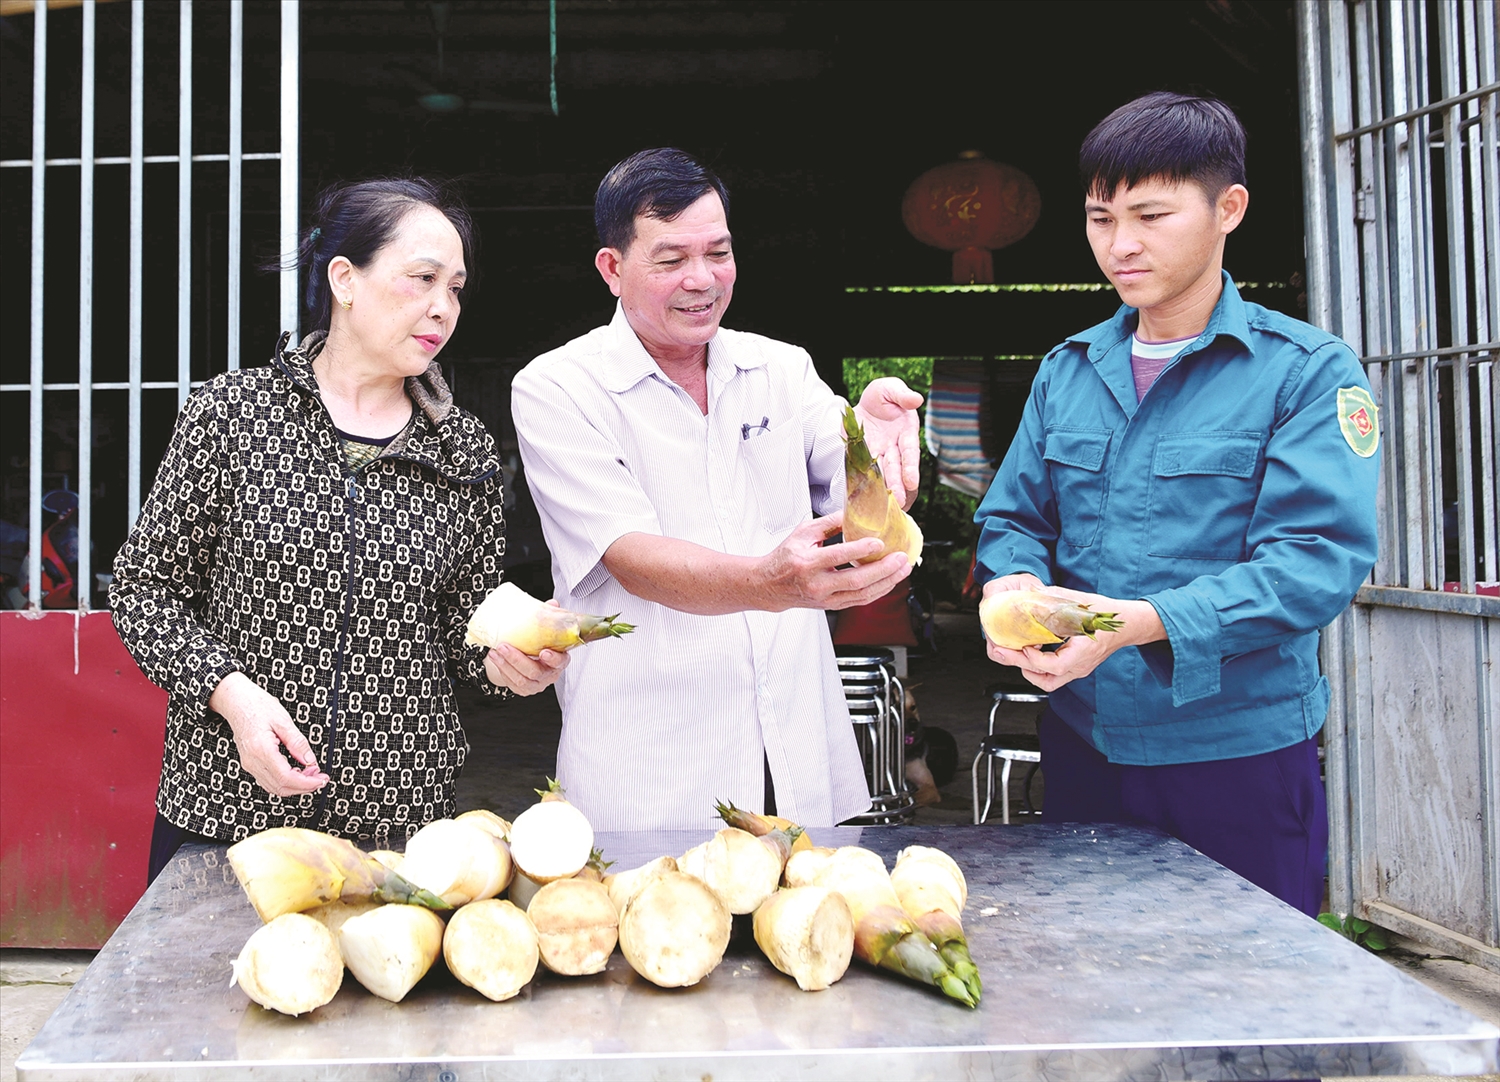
pixel 747 429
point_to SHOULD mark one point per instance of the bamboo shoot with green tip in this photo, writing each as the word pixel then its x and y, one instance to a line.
pixel 1016 619
pixel 870 508
pixel 289 869
pixel 457 860
pixel 883 934
pixel 510 615
pixel 933 893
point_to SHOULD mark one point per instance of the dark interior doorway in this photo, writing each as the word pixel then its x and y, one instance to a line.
pixel 817 114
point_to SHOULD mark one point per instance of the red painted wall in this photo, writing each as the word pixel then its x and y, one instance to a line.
pixel 80 755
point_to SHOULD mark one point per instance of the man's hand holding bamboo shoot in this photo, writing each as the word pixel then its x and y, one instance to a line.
pixel 800 573
pixel 1138 623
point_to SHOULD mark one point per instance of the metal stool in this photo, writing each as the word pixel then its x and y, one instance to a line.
pixel 1010 747
pixel 877 707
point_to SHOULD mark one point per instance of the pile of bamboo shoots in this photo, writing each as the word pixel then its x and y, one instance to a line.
pixel 388 917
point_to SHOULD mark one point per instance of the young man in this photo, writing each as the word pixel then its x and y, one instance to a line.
pixel 1205 468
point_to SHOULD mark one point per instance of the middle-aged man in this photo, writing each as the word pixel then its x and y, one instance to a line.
pixel 1207 466
pixel 677 467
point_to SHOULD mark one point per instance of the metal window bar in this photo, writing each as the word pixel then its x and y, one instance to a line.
pixel 38 260
pixel 1403 217
pixel 1426 289
pixel 184 199
pixel 236 175
pixel 85 573
pixel 290 111
pixel 149 159
pixel 137 233
pixel 135 385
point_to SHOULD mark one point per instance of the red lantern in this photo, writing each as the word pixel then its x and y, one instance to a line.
pixel 971 207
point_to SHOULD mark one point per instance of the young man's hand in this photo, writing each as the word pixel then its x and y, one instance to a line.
pixel 1080 655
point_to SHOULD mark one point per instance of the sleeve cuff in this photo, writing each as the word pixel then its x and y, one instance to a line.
pixel 478 677
pixel 1193 634
pixel 201 674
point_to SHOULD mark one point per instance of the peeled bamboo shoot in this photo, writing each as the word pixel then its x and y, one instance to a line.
pixel 334 915
pixel 488 822
pixel 551 840
pixel 492 947
pixel 576 925
pixel 808 934
pixel 743 869
pixel 291 965
pixel 391 948
pixel 674 932
pixel 624 886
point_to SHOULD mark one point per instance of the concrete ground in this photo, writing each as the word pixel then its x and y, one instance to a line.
pixel 515 750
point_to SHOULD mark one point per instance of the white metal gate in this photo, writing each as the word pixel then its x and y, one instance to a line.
pixel 1403 229
pixel 232 157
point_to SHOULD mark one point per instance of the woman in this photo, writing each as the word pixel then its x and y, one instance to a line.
pixel 319 533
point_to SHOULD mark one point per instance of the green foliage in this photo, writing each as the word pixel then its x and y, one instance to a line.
pixel 1367 935
pixel 945 514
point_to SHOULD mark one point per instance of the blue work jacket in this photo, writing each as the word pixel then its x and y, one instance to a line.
pixel 1230 498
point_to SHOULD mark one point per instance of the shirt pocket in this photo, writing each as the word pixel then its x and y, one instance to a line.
pixel 776 469
pixel 1075 459
pixel 1203 491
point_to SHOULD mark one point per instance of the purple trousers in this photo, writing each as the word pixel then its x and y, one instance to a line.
pixel 1263 817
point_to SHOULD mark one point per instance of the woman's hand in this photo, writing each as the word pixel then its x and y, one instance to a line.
pixel 261 728
pixel 507 667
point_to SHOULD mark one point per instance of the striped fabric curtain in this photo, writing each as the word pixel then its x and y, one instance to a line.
pixel 956 411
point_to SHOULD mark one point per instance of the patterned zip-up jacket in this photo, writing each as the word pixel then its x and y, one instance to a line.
pixel 344 594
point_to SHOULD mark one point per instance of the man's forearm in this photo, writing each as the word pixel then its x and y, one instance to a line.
pixel 800 573
pixel 685 576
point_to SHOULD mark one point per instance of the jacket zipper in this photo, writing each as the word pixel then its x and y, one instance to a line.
pixel 351 494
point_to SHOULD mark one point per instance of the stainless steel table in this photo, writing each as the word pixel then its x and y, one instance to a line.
pixel 1107 952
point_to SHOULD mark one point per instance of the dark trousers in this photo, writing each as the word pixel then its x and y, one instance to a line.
pixel 1264 817
pixel 166 839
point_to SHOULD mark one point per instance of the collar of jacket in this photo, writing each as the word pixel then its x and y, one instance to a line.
pixel 1108 343
pixel 1228 318
pixel 442 438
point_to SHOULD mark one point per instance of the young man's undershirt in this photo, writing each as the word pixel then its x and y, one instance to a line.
pixel 1147 359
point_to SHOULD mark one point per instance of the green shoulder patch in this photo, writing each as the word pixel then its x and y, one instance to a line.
pixel 1359 420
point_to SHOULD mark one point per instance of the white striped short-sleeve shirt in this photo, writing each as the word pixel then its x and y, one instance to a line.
pixel 660 724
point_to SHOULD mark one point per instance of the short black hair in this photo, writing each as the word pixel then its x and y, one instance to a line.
pixel 659 183
pixel 355 219
pixel 1173 137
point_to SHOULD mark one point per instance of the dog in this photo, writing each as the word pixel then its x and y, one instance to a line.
pixel 931 756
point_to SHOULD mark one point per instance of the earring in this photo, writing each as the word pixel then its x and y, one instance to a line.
pixel 346 305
